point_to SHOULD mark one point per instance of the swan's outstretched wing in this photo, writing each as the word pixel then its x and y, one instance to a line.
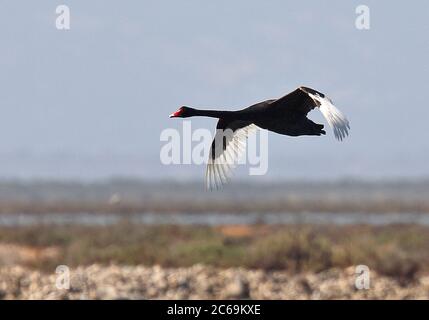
pixel 228 145
pixel 303 100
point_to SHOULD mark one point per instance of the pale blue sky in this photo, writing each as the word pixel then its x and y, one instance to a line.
pixel 91 102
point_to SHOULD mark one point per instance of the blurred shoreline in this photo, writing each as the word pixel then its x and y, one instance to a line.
pixel 101 219
pixel 126 196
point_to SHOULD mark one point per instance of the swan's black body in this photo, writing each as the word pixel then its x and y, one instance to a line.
pixel 287 115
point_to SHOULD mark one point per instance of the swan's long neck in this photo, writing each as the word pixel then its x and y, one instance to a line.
pixel 214 113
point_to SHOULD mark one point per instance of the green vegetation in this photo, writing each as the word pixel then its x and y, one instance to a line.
pixel 400 251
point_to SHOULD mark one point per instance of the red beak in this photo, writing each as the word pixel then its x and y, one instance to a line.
pixel 176 114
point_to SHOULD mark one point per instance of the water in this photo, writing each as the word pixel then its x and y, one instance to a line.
pixel 212 219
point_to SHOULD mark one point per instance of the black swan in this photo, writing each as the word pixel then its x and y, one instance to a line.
pixel 286 115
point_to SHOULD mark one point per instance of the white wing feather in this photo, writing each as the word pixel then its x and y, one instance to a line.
pixel 336 120
pixel 219 169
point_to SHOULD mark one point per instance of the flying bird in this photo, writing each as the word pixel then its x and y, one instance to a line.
pixel 286 115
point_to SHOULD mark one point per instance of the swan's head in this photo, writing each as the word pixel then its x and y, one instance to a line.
pixel 183 112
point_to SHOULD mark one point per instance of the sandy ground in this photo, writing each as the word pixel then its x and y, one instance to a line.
pixel 199 282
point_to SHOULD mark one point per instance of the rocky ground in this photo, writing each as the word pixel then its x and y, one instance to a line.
pixel 200 282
